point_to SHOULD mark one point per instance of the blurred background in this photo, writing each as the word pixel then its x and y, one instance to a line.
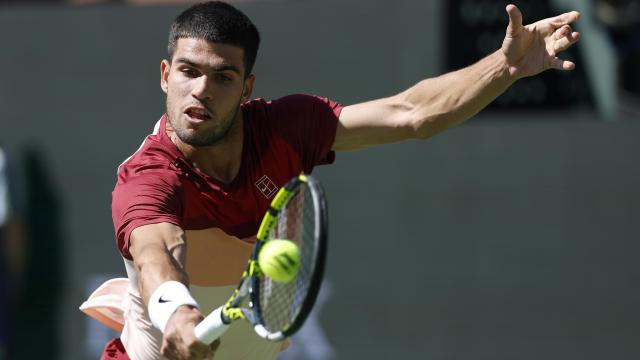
pixel 514 235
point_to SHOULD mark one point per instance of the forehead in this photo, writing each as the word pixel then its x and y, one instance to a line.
pixel 206 53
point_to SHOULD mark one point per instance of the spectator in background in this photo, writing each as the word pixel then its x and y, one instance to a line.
pixel 11 252
pixel 31 277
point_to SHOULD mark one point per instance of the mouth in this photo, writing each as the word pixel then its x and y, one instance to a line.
pixel 197 114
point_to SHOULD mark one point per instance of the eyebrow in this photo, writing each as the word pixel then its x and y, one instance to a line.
pixel 217 68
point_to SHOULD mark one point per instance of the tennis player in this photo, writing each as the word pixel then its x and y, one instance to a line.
pixel 187 204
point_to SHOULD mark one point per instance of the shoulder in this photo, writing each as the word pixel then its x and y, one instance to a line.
pixel 156 154
pixel 153 160
pixel 148 177
pixel 147 164
pixel 290 103
pixel 147 187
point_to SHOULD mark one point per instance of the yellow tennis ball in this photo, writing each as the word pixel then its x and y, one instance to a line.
pixel 279 259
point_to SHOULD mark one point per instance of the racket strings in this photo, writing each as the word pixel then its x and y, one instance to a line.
pixel 281 302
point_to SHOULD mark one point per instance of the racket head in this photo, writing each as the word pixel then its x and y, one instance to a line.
pixel 298 213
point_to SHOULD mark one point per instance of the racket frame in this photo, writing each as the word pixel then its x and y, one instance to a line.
pixel 320 235
pixel 218 322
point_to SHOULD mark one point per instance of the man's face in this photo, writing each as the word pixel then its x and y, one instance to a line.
pixel 205 85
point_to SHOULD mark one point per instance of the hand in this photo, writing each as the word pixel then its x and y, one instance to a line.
pixel 532 49
pixel 179 341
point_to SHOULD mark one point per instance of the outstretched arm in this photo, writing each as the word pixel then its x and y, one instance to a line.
pixel 158 252
pixel 434 105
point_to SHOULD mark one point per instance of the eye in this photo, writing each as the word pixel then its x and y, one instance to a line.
pixel 189 72
pixel 221 77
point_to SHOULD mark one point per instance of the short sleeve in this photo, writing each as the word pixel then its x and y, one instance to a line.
pixel 149 197
pixel 309 124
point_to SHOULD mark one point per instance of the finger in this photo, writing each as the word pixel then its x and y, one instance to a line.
pixel 565 42
pixel 576 36
pixel 215 345
pixel 565 19
pixel 211 349
pixel 167 349
pixel 174 353
pixel 564 31
pixel 199 349
pixel 515 20
pixel 200 352
pixel 560 64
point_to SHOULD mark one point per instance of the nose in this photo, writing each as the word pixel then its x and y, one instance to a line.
pixel 201 89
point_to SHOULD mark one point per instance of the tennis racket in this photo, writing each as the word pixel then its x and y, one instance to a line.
pixel 277 310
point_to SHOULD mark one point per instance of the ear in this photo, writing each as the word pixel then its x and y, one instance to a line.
pixel 248 88
pixel 165 66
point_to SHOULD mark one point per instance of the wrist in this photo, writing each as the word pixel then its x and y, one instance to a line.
pixel 165 300
pixel 503 68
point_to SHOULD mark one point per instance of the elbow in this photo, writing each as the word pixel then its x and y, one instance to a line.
pixel 432 115
pixel 410 120
pixel 422 126
pixel 421 130
pixel 419 121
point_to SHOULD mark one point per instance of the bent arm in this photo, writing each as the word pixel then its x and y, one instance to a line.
pixel 427 108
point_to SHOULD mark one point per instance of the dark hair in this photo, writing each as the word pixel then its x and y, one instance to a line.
pixel 216 21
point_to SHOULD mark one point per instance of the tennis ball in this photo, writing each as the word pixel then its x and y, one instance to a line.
pixel 279 259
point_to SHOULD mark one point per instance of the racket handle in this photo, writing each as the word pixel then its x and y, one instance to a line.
pixel 212 327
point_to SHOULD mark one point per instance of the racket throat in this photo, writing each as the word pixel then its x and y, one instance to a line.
pixel 230 314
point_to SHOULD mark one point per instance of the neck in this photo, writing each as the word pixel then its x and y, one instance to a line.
pixel 221 160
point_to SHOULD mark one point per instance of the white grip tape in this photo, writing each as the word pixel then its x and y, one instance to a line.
pixel 212 327
pixel 165 300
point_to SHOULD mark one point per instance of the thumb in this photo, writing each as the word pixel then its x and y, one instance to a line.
pixel 515 20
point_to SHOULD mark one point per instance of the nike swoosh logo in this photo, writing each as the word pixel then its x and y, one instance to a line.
pixel 161 300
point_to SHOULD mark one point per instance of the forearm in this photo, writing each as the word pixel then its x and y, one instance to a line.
pixel 158 252
pixel 445 101
pixel 156 267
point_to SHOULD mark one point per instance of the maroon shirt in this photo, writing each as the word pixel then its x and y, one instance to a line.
pixel 282 138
